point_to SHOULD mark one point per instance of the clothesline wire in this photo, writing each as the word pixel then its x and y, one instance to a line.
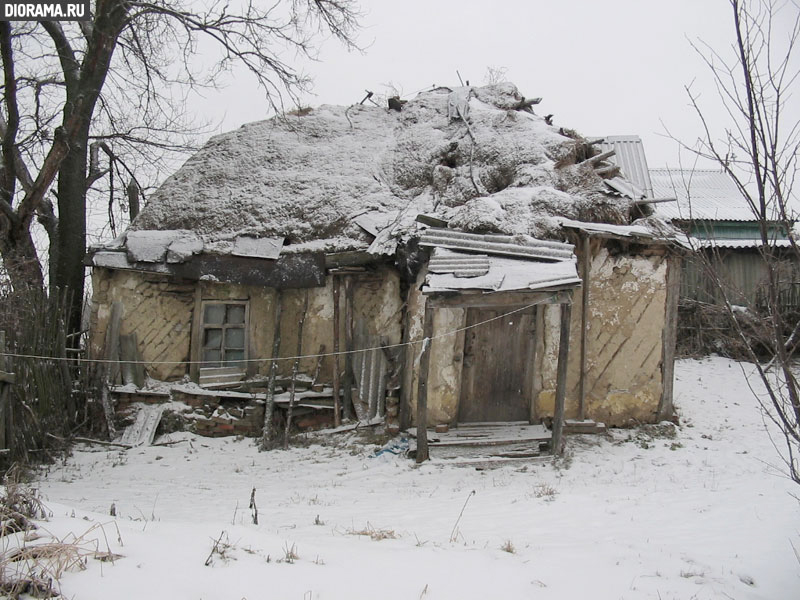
pixel 269 360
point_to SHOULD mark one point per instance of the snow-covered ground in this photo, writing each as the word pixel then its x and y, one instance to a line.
pixel 633 515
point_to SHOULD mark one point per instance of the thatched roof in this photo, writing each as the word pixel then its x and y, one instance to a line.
pixel 309 178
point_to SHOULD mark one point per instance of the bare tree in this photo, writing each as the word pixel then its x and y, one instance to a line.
pixel 104 97
pixel 758 148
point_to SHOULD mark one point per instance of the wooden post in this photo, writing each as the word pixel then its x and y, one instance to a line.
pixel 422 386
pixel 111 368
pixel 337 401
pixel 407 361
pixel 268 434
pixel 669 337
pixel 561 378
pixel 587 262
pixel 348 348
pixel 295 369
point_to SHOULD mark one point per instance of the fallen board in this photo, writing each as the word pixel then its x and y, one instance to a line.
pixel 143 430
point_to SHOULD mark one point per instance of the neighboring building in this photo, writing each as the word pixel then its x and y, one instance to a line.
pixel 707 205
pixel 442 257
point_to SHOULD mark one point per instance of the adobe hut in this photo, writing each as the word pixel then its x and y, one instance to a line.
pixel 425 263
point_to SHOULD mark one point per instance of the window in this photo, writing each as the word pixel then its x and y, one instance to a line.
pixel 224 334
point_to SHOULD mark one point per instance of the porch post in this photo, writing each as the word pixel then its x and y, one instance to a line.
pixel 587 262
pixel 561 376
pixel 422 385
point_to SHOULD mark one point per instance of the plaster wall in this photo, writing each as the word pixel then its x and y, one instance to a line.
pixel 627 309
pixel 161 313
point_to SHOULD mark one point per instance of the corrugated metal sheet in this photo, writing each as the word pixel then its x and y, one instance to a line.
pixel 458 263
pixel 631 159
pixel 509 274
pixel 739 243
pixel 503 245
pixel 625 188
pixel 631 231
pixel 701 194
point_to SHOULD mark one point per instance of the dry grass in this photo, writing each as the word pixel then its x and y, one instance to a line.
pixel 508 547
pixel 32 563
pixel 376 535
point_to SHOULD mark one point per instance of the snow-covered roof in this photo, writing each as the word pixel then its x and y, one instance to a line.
pixel 702 194
pixel 322 181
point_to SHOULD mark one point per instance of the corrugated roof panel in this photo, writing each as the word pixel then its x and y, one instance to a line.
pixel 631 159
pixel 701 194
pixel 738 244
pixel 458 263
pixel 505 245
pixel 508 274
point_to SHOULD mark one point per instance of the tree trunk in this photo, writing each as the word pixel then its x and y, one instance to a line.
pixel 71 242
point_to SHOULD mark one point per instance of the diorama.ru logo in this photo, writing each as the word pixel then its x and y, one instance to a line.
pixel 36 11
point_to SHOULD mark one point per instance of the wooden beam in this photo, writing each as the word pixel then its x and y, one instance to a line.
pixel 268 433
pixel 195 350
pixel 337 401
pixel 295 370
pixel 499 299
pixel 669 337
pixel 586 263
pixel 348 348
pixel 561 379
pixel 600 157
pixel 422 386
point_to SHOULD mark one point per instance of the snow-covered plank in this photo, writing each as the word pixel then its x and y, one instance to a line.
pixel 252 247
pixel 150 246
pixel 143 430
pixel 508 274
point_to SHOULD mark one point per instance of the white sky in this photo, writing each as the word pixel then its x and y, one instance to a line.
pixel 602 68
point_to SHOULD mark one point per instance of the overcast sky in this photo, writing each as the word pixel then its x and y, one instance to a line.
pixel 607 67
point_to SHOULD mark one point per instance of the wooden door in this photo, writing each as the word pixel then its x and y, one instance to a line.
pixel 496 381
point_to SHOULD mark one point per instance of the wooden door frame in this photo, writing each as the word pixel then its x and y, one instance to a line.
pixel 560 296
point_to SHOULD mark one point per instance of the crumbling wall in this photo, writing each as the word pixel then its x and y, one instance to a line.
pixel 446 359
pixel 158 310
pixel 627 308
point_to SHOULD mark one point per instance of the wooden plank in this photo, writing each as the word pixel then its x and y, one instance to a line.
pixel 500 299
pixel 337 415
pixel 132 366
pixel 112 342
pixel 268 433
pixel 289 271
pixel 495 384
pixel 196 350
pixel 669 338
pixel 422 387
pixel 211 372
pixel 348 348
pixel 492 424
pixel 143 430
pixel 587 267
pixel 295 369
pixel 561 378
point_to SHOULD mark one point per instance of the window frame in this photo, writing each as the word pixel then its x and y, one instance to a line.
pixel 200 368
